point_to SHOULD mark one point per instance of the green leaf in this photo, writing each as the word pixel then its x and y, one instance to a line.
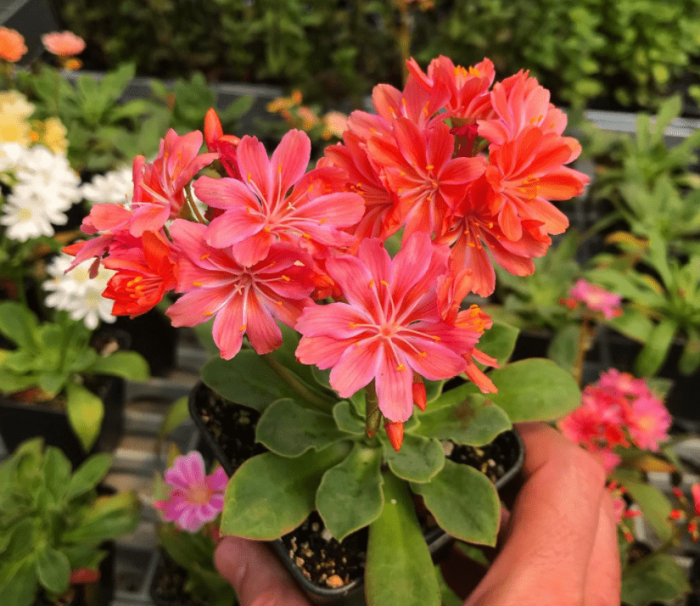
pixel 56 472
pixel 656 578
pixel 21 587
pixel 85 413
pixel 473 553
pixel 475 519
pixel 399 570
pixel 89 475
pixel 108 518
pixel 474 420
pixel 655 507
pixel 350 494
pixel 346 420
pixel 690 358
pixel 633 324
pixel 656 349
pixel 177 414
pixel 534 390
pixel 499 341
pixel 447 596
pixel 125 364
pixel 248 380
pixel 19 325
pixel 289 430
pixel 254 494
pixel 564 346
pixel 53 570
pixel 418 460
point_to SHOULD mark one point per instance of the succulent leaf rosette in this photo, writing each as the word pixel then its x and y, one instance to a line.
pixel 331 338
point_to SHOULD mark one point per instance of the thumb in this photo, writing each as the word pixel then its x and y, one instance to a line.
pixel 256 575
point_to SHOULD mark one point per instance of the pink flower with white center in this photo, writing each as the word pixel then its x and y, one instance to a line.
pixel 259 209
pixel 159 187
pixel 597 298
pixel 243 300
pixel 649 422
pixel 390 326
pixel 195 498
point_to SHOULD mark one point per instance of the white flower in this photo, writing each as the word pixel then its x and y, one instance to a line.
pixel 12 156
pixel 25 218
pixel 78 294
pixel 116 187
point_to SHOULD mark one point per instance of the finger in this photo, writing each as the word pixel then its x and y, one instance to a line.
pixel 552 528
pixel 257 576
pixel 603 581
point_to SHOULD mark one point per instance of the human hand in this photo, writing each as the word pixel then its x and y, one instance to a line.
pixel 559 541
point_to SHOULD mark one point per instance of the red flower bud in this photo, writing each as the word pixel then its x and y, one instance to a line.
pixel 419 396
pixel 676 514
pixel 212 129
pixel 394 431
pixel 84 576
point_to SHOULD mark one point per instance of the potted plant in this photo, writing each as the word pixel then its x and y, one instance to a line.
pixel 342 339
pixel 54 525
pixel 190 502
pixel 57 383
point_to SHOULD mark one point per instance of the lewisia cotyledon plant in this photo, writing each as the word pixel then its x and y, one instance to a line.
pixel 464 170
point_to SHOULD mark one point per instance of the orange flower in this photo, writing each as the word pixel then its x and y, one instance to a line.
pixel 63 44
pixel 12 46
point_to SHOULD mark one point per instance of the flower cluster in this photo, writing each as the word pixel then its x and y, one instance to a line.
pixel 622 509
pixel 330 125
pixel 595 298
pixel 43 188
pixel 195 498
pixel 688 512
pixel 16 126
pixel 64 45
pixel 460 168
pixel 115 186
pixel 617 411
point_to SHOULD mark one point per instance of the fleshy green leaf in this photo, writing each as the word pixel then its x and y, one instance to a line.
pixel 418 460
pixel 177 414
pixel 690 358
pixel 88 475
pixel 399 570
pixel 350 494
pixel 85 413
pixel 655 506
pixel 474 420
pixel 499 341
pixel 633 324
pixel 657 578
pixel 19 325
pixel 248 380
pixel 289 430
pixel 56 471
pixel 474 519
pixel 656 349
pixel 564 346
pixel 346 419
pixel 125 364
pixel 108 518
pixel 53 570
pixel 534 390
pixel 20 587
pixel 252 503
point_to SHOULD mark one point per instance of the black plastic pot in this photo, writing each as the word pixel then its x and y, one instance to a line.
pixel 352 593
pixel 20 421
pixel 154 337
pixel 175 595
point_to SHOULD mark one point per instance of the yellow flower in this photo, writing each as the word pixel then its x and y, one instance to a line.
pixel 54 136
pixel 15 103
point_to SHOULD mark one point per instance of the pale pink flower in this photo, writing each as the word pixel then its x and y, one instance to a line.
pixel 624 383
pixel 63 44
pixel 259 209
pixel 390 327
pixel 195 498
pixel 243 300
pixel 649 422
pixel 597 298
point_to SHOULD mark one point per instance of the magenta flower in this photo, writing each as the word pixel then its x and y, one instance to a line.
pixel 244 300
pixel 390 327
pixel 597 298
pixel 195 497
pixel 649 422
pixel 260 209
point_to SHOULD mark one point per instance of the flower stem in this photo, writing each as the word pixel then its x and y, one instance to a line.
pixel 373 420
pixel 193 206
pixel 295 383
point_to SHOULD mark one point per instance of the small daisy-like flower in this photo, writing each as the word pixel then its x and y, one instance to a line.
pixel 116 187
pixel 25 217
pixel 78 294
pixel 195 498
pixel 12 156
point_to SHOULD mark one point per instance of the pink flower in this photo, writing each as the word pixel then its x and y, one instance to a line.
pixel 243 300
pixel 259 210
pixel 390 327
pixel 623 382
pixel 649 422
pixel 695 491
pixel 159 187
pixel 63 44
pixel 597 298
pixel 195 498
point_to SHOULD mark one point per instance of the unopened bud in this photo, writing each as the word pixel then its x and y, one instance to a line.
pixel 676 514
pixel 212 129
pixel 420 398
pixel 394 431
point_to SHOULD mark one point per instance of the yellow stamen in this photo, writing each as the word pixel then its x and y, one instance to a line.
pixel 385 283
pixel 400 367
pixel 371 283
pixel 205 256
pixel 286 278
pixel 196 283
